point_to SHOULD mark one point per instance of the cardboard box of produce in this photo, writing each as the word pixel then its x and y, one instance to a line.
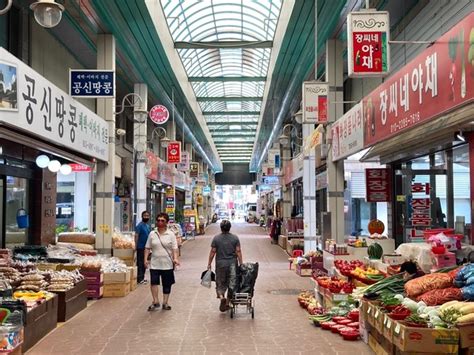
pixel 124 253
pixel 426 340
pixel 133 272
pixel 93 277
pixel 117 290
pixel 466 335
pixel 379 320
pixel 387 329
pixel 380 345
pixel 95 291
pixel 116 277
pixel 371 309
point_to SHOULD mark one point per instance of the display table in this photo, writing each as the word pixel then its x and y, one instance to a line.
pixel 328 259
pixel 40 321
pixel 72 302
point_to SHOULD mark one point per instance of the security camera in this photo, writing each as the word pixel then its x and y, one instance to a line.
pixel 47 13
pixel 120 132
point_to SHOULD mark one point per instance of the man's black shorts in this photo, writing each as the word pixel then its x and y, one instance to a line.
pixel 167 277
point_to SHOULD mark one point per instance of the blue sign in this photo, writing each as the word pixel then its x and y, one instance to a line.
pixel 92 83
pixel 206 190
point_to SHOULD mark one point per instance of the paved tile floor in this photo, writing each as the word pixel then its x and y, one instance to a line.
pixel 195 325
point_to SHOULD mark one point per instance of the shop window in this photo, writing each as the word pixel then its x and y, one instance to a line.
pixel 17 203
pixel 462 189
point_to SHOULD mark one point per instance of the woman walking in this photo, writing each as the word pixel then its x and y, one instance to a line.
pixel 163 247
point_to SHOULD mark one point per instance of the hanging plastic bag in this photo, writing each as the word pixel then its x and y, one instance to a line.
pixel 206 278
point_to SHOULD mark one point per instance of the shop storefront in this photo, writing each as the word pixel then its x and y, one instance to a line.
pixel 45 134
pixel 422 137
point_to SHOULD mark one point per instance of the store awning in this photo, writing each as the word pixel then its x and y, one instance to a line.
pixel 436 135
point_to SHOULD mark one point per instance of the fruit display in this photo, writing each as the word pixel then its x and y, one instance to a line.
pixel 358 243
pixel 346 267
pixel 334 284
pixel 375 251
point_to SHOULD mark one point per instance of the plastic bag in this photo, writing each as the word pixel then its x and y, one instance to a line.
pixel 206 279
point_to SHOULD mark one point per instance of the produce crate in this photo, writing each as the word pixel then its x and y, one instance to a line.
pixel 466 335
pixel 47 266
pixel 95 291
pixel 93 277
pixel 133 284
pixel 387 328
pixel 124 253
pixel 72 301
pixel 426 340
pixel 40 321
pixel 304 270
pixel 116 277
pixel 68 267
pixel 117 289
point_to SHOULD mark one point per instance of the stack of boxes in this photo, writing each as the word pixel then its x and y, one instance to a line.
pixel 117 284
pixel 128 256
pixel 95 283
pixel 133 277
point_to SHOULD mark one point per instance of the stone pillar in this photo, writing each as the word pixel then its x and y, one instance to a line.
pixel 309 193
pixel 105 177
pixel 335 171
pixel 140 146
pixel 286 202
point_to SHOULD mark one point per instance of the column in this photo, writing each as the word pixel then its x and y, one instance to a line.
pixel 309 193
pixel 105 177
pixel 139 147
pixel 286 202
pixel 335 170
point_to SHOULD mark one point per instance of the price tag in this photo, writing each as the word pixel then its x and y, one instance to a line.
pixel 376 315
pixel 397 329
pixel 369 309
pixel 389 322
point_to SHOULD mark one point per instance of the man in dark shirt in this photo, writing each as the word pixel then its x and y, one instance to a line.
pixel 142 230
pixel 226 248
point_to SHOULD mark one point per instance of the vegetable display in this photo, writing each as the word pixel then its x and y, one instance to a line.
pixel 439 297
pixel 393 284
pixel 420 285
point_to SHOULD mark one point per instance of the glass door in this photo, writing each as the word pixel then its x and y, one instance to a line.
pixel 16 205
pixel 421 198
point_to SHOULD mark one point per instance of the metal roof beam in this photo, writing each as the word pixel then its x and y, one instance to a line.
pixel 231 113
pixel 229 99
pixel 210 79
pixel 236 133
pixel 240 123
pixel 222 44
pixel 219 129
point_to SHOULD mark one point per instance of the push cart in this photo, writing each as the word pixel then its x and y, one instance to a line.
pixel 244 300
pixel 242 295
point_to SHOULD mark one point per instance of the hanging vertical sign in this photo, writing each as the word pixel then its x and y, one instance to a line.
pixel 368 52
pixel 315 102
pixel 272 154
pixel 420 207
pixel 193 169
pixel 170 203
pixel 378 185
pixel 174 152
pixel 183 165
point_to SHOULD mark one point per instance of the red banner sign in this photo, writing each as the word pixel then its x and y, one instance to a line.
pixel 367 43
pixel 79 168
pixel 174 152
pixel 378 184
pixel 435 82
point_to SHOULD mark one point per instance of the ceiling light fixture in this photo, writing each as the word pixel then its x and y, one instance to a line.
pixel 460 137
pixel 54 166
pixel 47 13
pixel 42 161
pixel 65 169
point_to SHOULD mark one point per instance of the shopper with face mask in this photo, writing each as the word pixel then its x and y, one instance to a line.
pixel 142 230
pixel 163 247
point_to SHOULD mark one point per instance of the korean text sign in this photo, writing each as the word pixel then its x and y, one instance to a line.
pixel 378 184
pixel 315 102
pixel 91 83
pixel 48 112
pixel 348 134
pixel 174 152
pixel 435 82
pixel 368 51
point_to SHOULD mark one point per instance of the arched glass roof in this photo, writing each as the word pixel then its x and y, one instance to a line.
pixel 225 48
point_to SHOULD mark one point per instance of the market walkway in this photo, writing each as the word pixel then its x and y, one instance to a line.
pixel 195 325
